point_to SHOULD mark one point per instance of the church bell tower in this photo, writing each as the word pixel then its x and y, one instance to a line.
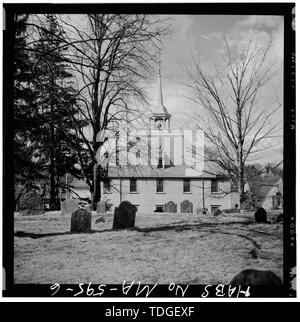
pixel 160 117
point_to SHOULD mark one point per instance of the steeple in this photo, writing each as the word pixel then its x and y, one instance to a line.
pixel 159 87
pixel 160 113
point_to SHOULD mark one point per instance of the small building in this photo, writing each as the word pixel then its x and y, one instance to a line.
pixel 267 191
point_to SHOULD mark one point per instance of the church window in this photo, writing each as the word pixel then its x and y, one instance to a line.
pixel 214 186
pixel 133 185
pixel 159 208
pixel 186 185
pixel 159 185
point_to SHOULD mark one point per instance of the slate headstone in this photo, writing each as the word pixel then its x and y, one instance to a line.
pixel 170 207
pixel 186 206
pixel 31 203
pixel 260 215
pixel 124 216
pixel 68 206
pixel 81 221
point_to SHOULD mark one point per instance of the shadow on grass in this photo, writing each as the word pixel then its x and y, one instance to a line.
pixel 36 236
pixel 176 228
pixel 197 226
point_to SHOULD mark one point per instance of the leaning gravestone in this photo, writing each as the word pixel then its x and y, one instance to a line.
pixel 260 215
pixel 124 216
pixel 186 206
pixel 170 207
pixel 81 221
pixel 68 206
pixel 101 207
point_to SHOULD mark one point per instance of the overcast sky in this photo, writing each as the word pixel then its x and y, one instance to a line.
pixel 200 35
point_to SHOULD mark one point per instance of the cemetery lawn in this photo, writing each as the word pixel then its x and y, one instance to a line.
pixel 162 248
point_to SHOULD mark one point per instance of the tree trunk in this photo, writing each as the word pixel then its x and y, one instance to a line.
pixel 240 181
pixel 52 169
pixel 52 179
pixel 96 193
pixel 240 153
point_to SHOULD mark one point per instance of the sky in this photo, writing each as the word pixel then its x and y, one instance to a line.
pixel 199 36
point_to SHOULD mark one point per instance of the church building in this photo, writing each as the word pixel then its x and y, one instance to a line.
pixel 170 180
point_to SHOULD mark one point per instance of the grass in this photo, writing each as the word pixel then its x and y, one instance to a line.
pixel 162 248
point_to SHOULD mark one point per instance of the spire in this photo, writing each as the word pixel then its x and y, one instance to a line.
pixel 160 114
pixel 159 86
pixel 160 108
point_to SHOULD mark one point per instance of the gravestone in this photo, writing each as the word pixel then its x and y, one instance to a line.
pixel 81 221
pixel 124 216
pixel 260 215
pixel 256 277
pixel 271 283
pixel 101 207
pixel 31 203
pixel 68 206
pixel 170 207
pixel 186 206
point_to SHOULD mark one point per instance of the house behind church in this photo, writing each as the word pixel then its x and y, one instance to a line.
pixel 267 191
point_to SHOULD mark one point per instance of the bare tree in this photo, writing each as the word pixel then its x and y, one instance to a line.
pixel 111 54
pixel 239 125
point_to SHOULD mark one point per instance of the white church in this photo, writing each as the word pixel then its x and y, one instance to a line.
pixel 159 179
pixel 171 169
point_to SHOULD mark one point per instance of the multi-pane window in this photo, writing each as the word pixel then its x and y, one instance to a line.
pixel 159 185
pixel 159 208
pixel 186 185
pixel 214 186
pixel 133 185
pixel 106 186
